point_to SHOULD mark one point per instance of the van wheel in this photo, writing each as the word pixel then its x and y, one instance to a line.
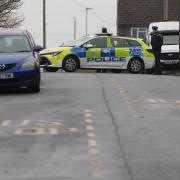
pixel 135 66
pixel 70 64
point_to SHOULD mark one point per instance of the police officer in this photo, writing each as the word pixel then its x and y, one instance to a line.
pixel 156 43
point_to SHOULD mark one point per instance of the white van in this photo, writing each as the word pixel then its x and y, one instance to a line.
pixel 170 48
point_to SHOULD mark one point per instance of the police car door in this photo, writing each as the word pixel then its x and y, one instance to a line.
pixel 96 53
pixel 119 52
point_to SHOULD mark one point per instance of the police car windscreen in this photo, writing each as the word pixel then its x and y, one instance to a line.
pixel 77 42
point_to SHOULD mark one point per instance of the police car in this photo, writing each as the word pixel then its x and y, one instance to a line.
pixel 100 51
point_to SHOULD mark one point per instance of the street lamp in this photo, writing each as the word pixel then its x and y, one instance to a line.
pixel 44 23
pixel 87 18
pixel 166 4
pixel 74 18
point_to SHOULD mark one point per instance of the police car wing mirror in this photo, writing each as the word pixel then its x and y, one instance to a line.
pixel 88 46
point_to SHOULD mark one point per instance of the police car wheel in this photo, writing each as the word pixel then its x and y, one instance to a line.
pixel 135 66
pixel 70 64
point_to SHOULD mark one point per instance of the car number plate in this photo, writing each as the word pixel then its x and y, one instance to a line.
pixel 170 62
pixel 7 76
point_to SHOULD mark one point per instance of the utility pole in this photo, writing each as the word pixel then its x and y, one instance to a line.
pixel 44 23
pixel 74 18
pixel 166 7
pixel 87 19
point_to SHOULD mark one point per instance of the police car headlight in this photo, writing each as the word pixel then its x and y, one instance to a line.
pixel 51 53
pixel 55 53
pixel 28 64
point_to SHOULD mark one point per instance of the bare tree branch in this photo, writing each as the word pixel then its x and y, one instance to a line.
pixel 8 18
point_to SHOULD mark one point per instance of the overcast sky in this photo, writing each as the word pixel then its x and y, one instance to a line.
pixel 60 13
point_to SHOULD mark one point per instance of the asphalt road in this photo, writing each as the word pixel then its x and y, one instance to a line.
pixel 84 126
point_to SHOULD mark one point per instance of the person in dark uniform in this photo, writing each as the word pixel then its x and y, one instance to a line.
pixel 156 43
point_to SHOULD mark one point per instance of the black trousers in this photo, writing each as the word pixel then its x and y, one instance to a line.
pixel 157 54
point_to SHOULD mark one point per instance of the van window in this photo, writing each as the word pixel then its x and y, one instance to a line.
pixel 170 39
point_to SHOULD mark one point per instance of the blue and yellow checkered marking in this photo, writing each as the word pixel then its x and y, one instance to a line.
pixel 106 53
pixel 136 51
pixel 80 52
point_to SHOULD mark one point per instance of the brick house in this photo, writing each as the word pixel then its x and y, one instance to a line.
pixel 134 16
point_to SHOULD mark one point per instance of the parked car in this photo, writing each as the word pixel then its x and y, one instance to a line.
pixel 100 51
pixel 170 47
pixel 19 60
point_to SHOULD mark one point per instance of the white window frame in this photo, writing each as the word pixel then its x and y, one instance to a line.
pixel 138 29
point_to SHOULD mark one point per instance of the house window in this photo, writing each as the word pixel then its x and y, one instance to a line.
pixel 139 32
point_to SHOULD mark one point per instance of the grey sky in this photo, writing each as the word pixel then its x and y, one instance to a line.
pixel 60 13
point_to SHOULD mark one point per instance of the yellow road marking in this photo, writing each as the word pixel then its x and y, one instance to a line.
pixel 87 111
pixel 89 121
pixel 129 106
pixel 133 111
pixel 54 131
pixel 19 131
pixel 125 98
pixel 49 122
pixel 162 101
pixel 92 142
pixel 93 151
pixel 73 130
pixel 122 91
pixel 88 115
pixel 25 122
pixel 89 128
pixel 97 173
pixel 94 162
pixel 6 123
pixel 40 131
pixel 91 135
pixel 152 101
pixel 136 100
pixel 177 101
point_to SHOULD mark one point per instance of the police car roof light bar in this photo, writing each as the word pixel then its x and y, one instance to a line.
pixel 104 34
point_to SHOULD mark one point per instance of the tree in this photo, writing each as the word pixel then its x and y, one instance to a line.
pixel 8 18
